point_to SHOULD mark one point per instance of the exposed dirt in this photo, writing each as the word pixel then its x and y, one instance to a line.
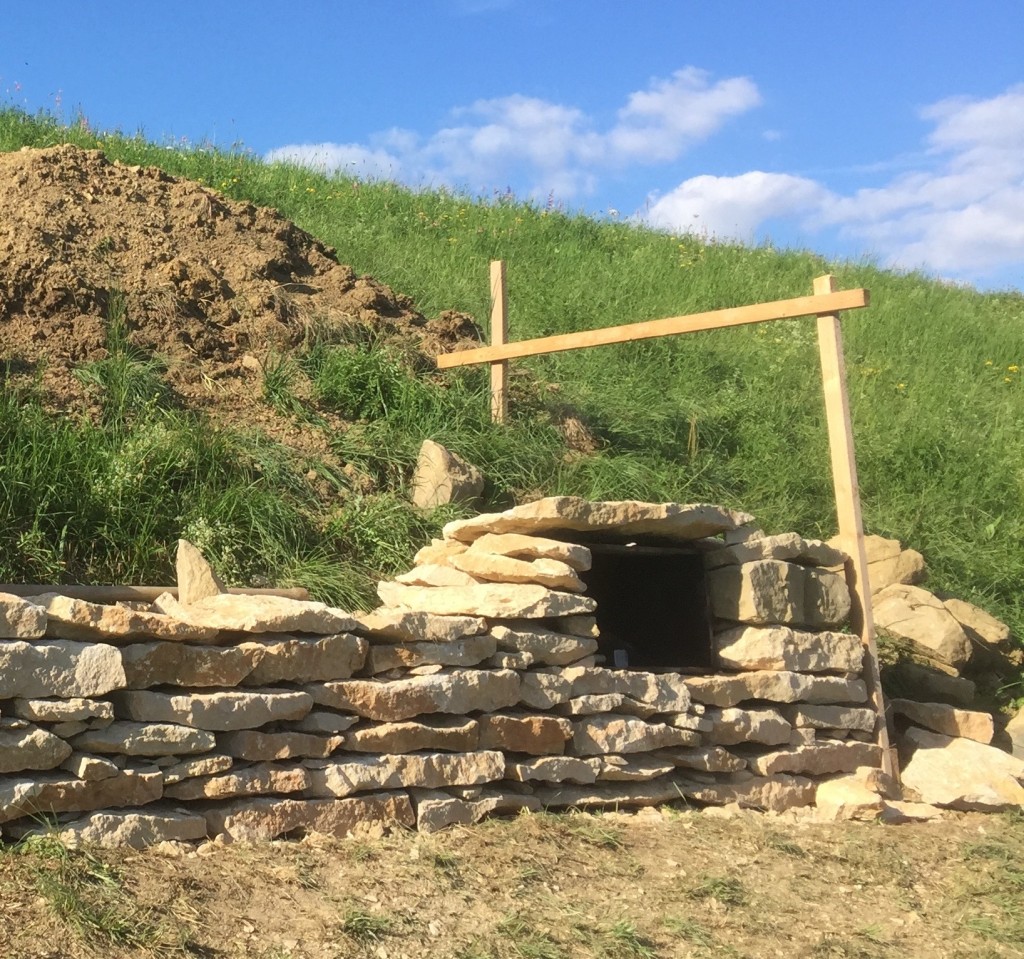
pixel 655 884
pixel 213 287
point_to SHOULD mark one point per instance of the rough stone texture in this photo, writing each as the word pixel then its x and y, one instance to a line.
pixel 505 569
pixel 61 710
pixel 605 703
pixel 947 720
pixel 263 819
pixel 534 547
pixel 252 781
pixel 818 759
pixel 177 664
pixel 621 769
pixel 767 592
pixel 551 769
pixel 407 626
pixel 779 647
pixel 58 668
pixel 776 794
pixel 438 551
pixel 545 647
pixel 52 793
pixel 436 809
pixel 977 624
pixel 780 687
pixel 20 618
pixel 456 691
pixel 608 794
pixel 600 735
pixel 666 692
pixel 544 690
pixel 790 547
pixel 70 618
pixel 534 735
pixel 959 773
pixel 324 722
pixel 30 748
pixel 145 739
pixel 889 563
pixel 807 716
pixel 859 795
pixel 196 578
pixel 258 614
pixel 206 765
pixel 916 616
pixel 426 770
pixel 710 759
pixel 927 684
pixel 451 735
pixel 442 476
pixel 89 767
pixel 732 726
pixel 584 626
pixel 493 600
pixel 296 660
pixel 220 711
pixel 434 574
pixel 468 651
pixel 625 518
pixel 133 829
pixel 254 746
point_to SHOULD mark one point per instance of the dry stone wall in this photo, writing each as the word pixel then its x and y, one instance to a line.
pixel 477 688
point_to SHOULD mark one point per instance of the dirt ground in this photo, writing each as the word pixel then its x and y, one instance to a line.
pixel 674 883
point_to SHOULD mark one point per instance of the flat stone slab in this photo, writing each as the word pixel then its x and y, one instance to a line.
pixel 807 716
pixel 601 735
pixel 219 711
pixel 947 720
pixel 61 710
pixel 21 618
pixel 780 647
pixel 626 518
pixel 260 780
pixel 46 793
pixel 70 618
pixel 256 746
pixel 468 651
pixel 452 735
pixel 519 546
pixel 30 748
pixel 409 626
pixel 790 547
pixel 145 739
pixel 59 668
pixel 178 664
pixel 732 726
pixel 436 809
pixel 425 770
pixel 530 734
pixel 259 614
pixel 603 794
pixel 507 569
pixel 129 828
pixel 545 647
pixel 913 614
pixel 491 600
pixel 774 794
pixel 552 769
pixel 206 765
pixel 818 759
pixel 775 686
pixel 294 659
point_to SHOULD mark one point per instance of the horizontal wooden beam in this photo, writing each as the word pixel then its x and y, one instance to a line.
pixel 142 594
pixel 648 329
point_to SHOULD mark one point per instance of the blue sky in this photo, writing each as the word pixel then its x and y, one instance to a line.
pixel 892 130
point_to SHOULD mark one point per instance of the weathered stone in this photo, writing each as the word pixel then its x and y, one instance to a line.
pixel 916 616
pixel 30 748
pixel 255 746
pixel 534 735
pixel 48 793
pixel 911 680
pixel 732 726
pixel 775 794
pixel 889 563
pixel 600 735
pixel 776 686
pixel 1015 733
pixel 426 770
pixel 665 691
pixel 220 711
pixel 830 717
pixel 436 809
pixel 61 710
pixel 859 795
pixel 608 794
pixel 457 691
pixel 296 660
pixel 817 759
pixel 584 626
pixel 606 703
pixel 207 765
pixel 468 651
pixel 533 547
pixel 324 722
pixel 510 661
pixel 790 547
pixel 258 614
pixel 621 769
pixel 20 618
pixel 506 569
pixel 451 735
pixel 77 619
pixel 959 773
pixel 551 769
pixel 408 626
pixel 132 829
pixel 58 668
pixel 709 759
pixel 177 664
pixel 442 476
pixel 544 646
pixel 544 690
pixel 767 592
pixel 262 819
pixel 258 780
pixel 626 518
pixel 433 574
pixel 196 578
pixel 779 647
pixel 438 552
pixel 947 720
pixel 145 739
pixel 977 624
pixel 89 767
pixel 494 600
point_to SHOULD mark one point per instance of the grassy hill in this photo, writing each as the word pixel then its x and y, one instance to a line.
pixel 733 417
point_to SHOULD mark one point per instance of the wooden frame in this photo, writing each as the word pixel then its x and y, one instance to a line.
pixel 825 303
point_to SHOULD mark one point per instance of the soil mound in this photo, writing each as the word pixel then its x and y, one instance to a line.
pixel 212 286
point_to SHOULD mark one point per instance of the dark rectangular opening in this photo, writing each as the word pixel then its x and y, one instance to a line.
pixel 652 605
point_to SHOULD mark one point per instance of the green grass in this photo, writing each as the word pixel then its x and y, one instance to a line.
pixel 733 416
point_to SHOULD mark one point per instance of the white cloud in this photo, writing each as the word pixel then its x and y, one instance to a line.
pixel 539 146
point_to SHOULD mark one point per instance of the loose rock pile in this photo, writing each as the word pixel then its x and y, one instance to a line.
pixel 478 688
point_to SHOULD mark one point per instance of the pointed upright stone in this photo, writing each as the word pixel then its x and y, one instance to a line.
pixel 196 578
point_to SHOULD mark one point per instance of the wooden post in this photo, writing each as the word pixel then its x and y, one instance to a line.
pixel 499 337
pixel 851 527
